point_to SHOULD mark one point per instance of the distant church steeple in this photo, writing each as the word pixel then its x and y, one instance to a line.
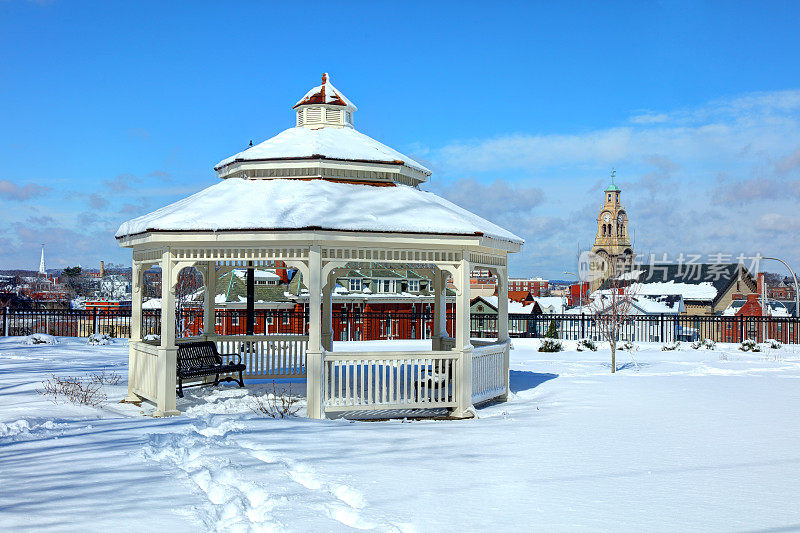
pixel 42 270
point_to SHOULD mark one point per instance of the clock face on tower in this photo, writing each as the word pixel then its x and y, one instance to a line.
pixel 607 217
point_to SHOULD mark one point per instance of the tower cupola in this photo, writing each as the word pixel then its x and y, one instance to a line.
pixel 324 106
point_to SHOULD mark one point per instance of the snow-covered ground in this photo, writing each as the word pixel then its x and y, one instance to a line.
pixel 693 440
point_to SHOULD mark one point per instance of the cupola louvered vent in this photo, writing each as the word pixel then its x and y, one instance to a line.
pixel 299 117
pixel 333 115
pixel 313 115
pixel 349 117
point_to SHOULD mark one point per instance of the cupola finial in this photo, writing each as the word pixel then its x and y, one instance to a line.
pixel 324 78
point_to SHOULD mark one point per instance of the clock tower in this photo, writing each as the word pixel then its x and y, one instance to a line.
pixel 612 242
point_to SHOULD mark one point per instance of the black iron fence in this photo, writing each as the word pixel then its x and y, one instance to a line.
pixel 402 325
pixel 647 328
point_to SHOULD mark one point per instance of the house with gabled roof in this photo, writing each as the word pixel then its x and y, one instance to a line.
pixel 707 289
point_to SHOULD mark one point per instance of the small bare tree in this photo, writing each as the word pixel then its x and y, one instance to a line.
pixel 611 310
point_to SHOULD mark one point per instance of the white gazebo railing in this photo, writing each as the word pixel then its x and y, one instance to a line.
pixel 266 357
pixel 389 380
pixel 489 371
pixel 143 369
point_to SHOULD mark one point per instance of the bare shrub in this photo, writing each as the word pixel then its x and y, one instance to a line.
pixel 275 404
pixel 105 378
pixel 73 390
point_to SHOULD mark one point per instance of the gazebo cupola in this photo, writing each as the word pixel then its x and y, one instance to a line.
pixel 324 106
pixel 324 144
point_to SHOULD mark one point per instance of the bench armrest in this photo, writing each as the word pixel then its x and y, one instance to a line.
pixel 237 355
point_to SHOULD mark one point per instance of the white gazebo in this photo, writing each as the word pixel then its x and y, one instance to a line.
pixel 320 197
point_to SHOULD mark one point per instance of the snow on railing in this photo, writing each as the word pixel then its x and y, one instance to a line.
pixel 489 373
pixel 389 380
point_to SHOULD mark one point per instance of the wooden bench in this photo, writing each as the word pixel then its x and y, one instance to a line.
pixel 199 359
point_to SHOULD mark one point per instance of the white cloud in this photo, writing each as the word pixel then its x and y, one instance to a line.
pixel 649 118
pixel 748 127
pixel 20 193
pixel 691 179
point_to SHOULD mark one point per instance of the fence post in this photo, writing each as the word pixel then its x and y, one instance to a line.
pixel 663 339
pixel 94 320
pixel 5 322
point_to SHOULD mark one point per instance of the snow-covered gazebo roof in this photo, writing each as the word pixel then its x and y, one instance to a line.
pixel 320 175
pixel 286 204
pixel 342 144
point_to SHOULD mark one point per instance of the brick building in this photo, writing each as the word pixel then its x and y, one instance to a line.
pixel 536 286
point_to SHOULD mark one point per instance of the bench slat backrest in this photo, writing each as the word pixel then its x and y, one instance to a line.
pixel 196 355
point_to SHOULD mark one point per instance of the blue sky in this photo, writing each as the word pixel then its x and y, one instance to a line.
pixel 110 110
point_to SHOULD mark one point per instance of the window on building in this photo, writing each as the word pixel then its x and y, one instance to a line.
pixel 285 319
pixel 413 285
pixel 385 285
pixel 270 320
pixel 355 284
pixel 234 320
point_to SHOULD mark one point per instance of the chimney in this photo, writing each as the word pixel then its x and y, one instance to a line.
pixel 102 269
pixel 760 279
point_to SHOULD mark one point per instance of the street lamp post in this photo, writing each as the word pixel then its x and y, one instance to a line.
pixel 796 292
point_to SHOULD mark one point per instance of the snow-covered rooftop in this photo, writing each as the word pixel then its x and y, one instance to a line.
pixel 557 303
pixel 515 308
pixel 690 291
pixel 345 144
pixel 657 304
pixel 286 204
pixel 258 274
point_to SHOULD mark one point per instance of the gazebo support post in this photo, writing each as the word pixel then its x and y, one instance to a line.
pixel 167 352
pixel 327 313
pixel 439 309
pixel 502 323
pixel 462 331
pixel 137 277
pixel 314 353
pixel 251 299
pixel 209 318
